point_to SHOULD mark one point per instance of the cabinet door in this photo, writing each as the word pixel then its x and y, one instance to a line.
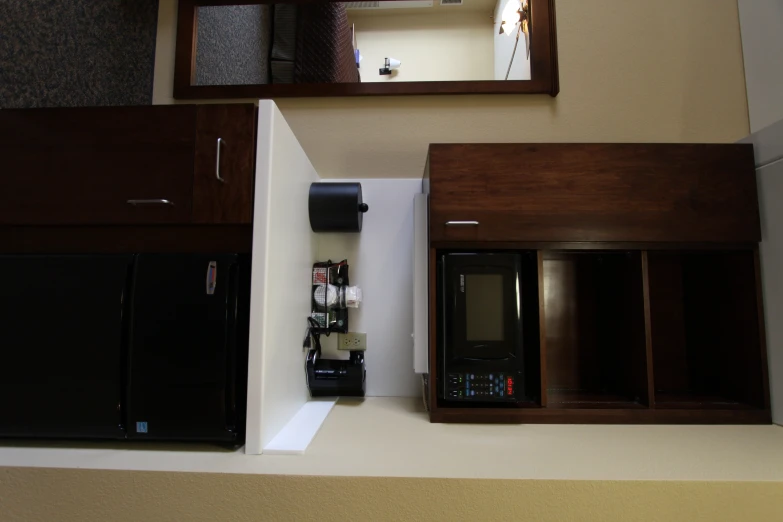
pixel 181 376
pixel 593 192
pixel 98 165
pixel 61 330
pixel 225 153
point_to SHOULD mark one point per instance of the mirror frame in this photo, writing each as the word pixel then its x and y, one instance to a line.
pixel 543 65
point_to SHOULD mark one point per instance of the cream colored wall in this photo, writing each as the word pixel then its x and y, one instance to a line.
pixel 434 45
pixel 84 496
pixel 630 70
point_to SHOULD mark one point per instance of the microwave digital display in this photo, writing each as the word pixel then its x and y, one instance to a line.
pixel 484 307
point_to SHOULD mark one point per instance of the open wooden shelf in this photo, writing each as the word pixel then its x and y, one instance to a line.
pixel 595 340
pixel 704 327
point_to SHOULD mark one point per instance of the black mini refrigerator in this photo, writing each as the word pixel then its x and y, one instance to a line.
pixel 187 349
pixel 124 346
pixel 62 323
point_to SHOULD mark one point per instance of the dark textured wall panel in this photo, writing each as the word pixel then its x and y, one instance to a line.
pixel 57 53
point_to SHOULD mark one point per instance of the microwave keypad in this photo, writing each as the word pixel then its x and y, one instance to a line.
pixel 480 386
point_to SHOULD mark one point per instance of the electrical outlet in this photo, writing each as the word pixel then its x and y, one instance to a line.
pixel 352 341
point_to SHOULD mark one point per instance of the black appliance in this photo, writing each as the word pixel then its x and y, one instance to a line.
pixel 136 346
pixel 62 323
pixel 336 207
pixel 187 351
pixel 480 338
pixel 335 378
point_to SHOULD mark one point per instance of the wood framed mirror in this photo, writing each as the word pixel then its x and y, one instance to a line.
pixel 313 48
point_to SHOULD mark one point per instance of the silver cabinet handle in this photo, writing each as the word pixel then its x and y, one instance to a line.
pixel 217 163
pixel 136 202
pixel 462 223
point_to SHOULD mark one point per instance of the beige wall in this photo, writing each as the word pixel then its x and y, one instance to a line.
pixel 435 45
pixel 631 70
pixel 83 496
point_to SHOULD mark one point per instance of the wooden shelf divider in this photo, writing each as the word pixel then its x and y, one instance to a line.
pixel 542 326
pixel 762 329
pixel 648 331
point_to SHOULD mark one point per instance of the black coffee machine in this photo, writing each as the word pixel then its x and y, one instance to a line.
pixel 332 377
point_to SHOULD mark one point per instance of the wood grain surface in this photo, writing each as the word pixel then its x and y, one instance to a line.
pixel 82 165
pixel 545 77
pixel 594 192
pixel 231 200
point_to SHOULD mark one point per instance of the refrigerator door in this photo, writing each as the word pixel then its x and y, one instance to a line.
pixel 61 327
pixel 182 367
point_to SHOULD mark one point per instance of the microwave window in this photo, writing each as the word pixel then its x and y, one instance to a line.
pixel 484 307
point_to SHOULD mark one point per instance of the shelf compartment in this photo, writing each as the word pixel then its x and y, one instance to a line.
pixel 595 346
pixel 705 331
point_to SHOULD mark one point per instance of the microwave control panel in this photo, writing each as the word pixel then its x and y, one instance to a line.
pixel 481 387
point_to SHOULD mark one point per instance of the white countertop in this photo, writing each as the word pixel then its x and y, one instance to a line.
pixel 393 437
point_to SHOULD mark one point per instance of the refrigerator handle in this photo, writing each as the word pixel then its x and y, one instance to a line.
pixel 126 318
pixel 232 306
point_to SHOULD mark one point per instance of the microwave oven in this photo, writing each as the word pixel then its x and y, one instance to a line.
pixel 480 337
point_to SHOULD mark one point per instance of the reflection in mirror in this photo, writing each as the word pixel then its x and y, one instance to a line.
pixel 349 42
pixel 232 42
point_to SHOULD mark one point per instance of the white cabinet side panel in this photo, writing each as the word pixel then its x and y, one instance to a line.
pixel 283 252
pixel 767 143
pixel 421 332
pixel 294 438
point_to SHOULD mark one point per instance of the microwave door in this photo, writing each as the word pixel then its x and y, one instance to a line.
pixel 485 347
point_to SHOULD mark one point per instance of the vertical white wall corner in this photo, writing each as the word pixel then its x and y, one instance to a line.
pixel 380 264
pixel 284 249
pixel 768 150
pixel 761 22
pixel 421 330
pixel 770 186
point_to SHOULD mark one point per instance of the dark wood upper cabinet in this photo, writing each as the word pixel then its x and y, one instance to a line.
pixel 127 165
pixel 116 165
pixel 593 192
pixel 319 46
pixel 224 169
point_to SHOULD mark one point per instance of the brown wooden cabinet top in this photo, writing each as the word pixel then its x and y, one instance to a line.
pixel 594 192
